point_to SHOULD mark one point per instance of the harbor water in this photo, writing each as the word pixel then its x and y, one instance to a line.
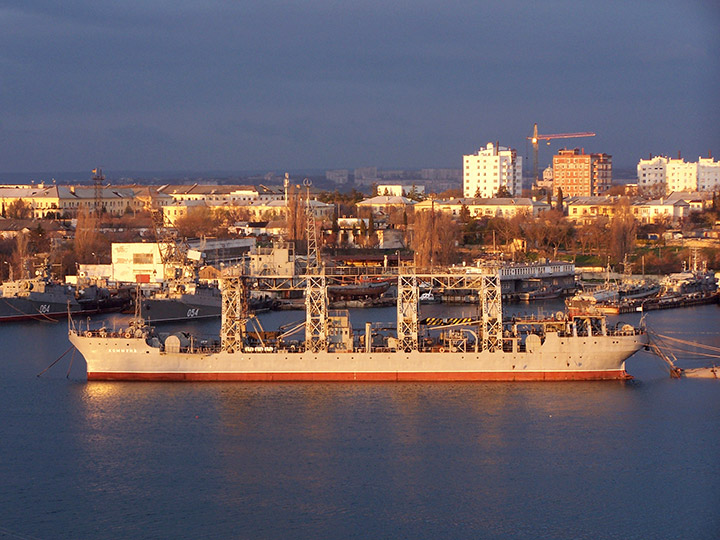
pixel 577 460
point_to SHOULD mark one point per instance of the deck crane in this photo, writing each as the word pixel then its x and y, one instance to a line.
pixel 535 138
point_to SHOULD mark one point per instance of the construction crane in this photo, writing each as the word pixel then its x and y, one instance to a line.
pixel 535 138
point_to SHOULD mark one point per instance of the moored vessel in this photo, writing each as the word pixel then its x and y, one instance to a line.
pixel 486 348
pixel 42 298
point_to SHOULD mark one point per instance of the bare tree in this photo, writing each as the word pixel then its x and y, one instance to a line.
pixel 622 230
pixel 434 240
pixel 199 221
pixel 89 243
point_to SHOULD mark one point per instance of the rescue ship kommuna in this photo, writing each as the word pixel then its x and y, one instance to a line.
pixel 562 347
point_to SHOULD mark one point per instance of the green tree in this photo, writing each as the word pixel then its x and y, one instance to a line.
pixel 464 214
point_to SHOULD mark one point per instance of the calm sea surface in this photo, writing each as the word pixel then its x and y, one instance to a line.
pixel 621 460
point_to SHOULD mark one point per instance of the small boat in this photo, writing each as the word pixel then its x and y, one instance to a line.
pixel 429 298
pixel 543 293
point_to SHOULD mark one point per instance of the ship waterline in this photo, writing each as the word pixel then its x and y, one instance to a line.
pixel 571 358
pixel 581 347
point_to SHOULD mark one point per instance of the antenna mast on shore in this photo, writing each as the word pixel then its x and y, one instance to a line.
pixel 98 179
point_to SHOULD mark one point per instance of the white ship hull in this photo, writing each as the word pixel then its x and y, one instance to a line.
pixel 557 358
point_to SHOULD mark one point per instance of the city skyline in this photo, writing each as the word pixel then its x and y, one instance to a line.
pixel 273 86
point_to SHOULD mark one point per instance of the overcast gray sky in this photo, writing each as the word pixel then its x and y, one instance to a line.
pixel 237 85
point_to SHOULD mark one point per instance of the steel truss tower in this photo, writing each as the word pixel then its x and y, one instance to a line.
pixel 316 313
pixel 407 312
pixel 491 308
pixel 234 313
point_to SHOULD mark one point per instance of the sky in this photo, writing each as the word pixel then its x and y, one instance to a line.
pixel 273 85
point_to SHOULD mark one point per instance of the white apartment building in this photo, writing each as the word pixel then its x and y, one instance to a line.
pixel 651 172
pixel 708 174
pixel 400 190
pixel 680 176
pixel 677 175
pixel 491 168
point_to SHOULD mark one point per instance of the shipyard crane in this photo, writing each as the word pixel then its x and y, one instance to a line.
pixel 535 138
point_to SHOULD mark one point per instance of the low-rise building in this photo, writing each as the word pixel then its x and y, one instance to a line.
pixel 490 207
pixel 660 211
pixel 587 209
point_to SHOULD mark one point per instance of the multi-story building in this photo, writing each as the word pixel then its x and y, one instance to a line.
pixel 708 174
pixel 400 190
pixel 221 193
pixel 651 172
pixel 672 175
pixel 680 176
pixel 68 201
pixel 581 175
pixel 489 170
pixel 441 174
pixel 338 176
pixel 364 176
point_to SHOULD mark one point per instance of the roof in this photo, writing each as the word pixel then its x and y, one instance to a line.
pixel 601 199
pixel 204 189
pixel 19 192
pixel 662 202
pixel 472 201
pixel 690 196
pixel 387 200
pixel 88 192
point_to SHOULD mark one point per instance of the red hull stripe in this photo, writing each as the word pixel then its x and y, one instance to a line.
pixel 367 377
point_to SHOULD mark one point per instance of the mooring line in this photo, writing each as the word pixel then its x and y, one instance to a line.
pixel 56 361
pixel 72 358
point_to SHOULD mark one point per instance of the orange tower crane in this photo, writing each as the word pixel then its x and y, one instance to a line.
pixel 535 137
